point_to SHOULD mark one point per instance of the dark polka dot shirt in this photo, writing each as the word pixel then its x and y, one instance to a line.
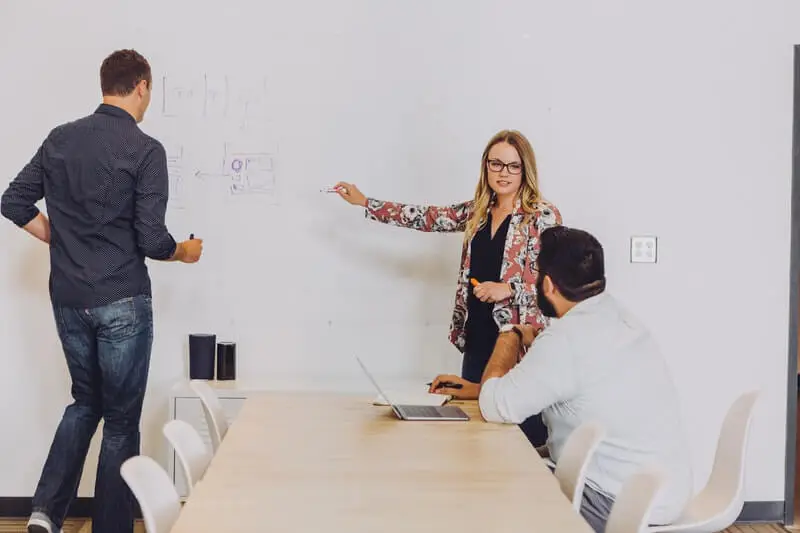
pixel 105 185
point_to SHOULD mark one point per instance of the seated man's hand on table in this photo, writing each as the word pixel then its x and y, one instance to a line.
pixel 468 390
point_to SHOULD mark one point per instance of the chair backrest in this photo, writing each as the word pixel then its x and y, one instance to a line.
pixel 215 416
pixel 192 452
pixel 725 487
pixel 571 467
pixel 154 491
pixel 635 500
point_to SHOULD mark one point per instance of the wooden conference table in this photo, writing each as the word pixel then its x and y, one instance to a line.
pixel 308 462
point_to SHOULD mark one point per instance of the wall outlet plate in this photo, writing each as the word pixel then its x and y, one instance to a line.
pixel 644 249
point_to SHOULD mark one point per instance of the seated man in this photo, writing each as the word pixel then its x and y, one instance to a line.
pixel 595 362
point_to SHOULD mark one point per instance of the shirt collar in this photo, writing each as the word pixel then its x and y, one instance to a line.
pixel 114 111
pixel 589 303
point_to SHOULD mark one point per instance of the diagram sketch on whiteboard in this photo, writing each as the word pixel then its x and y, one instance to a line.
pixel 244 100
pixel 177 186
pixel 250 171
pixel 216 94
pixel 250 98
pixel 183 97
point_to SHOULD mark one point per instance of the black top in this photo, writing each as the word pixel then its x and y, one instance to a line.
pixel 486 261
pixel 105 185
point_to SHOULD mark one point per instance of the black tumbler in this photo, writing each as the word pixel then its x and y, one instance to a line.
pixel 226 361
pixel 201 355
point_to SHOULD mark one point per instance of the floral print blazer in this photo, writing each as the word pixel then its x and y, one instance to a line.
pixel 519 258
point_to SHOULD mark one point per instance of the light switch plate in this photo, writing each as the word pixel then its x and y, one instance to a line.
pixel 644 249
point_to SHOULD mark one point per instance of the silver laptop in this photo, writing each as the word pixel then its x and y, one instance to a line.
pixel 418 412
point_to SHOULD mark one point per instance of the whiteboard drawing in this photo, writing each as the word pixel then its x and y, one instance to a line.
pixel 183 97
pixel 177 191
pixel 250 172
pixel 250 100
pixel 215 96
pixel 245 101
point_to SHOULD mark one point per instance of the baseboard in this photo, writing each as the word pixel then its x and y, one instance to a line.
pixel 21 508
pixel 771 512
pixel 752 512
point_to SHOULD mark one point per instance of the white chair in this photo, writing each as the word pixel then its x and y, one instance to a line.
pixel 634 503
pixel 215 416
pixel 154 491
pixel 570 471
pixel 190 449
pixel 719 503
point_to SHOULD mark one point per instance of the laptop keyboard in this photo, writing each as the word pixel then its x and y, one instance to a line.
pixel 427 411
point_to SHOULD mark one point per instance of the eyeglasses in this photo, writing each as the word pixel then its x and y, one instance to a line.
pixel 495 165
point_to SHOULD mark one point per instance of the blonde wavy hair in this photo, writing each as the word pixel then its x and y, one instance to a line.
pixel 528 193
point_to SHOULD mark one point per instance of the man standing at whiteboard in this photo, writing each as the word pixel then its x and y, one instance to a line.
pixel 105 186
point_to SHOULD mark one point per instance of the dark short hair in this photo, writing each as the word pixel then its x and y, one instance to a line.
pixel 122 71
pixel 573 259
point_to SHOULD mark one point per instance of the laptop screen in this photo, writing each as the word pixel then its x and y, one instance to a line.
pixel 375 384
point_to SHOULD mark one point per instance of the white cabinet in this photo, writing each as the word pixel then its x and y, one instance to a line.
pixel 186 406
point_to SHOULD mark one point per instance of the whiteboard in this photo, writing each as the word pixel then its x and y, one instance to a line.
pixel 400 98
pixel 260 105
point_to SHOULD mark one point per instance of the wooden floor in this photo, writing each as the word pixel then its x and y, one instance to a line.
pixel 72 526
pixel 83 526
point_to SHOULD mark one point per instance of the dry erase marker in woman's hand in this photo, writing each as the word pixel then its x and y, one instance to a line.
pixel 334 189
pixel 474 282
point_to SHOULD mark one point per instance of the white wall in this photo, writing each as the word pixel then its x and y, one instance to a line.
pixel 671 119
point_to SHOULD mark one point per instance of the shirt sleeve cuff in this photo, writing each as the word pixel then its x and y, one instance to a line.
pixel 487 402
pixel 173 246
pixel 25 217
pixel 164 251
pixel 369 209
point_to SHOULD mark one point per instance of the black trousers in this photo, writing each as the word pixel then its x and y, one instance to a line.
pixel 472 367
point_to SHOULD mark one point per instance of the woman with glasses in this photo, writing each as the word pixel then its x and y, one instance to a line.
pixel 497 279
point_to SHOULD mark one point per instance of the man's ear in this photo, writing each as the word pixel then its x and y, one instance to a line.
pixel 548 287
pixel 141 88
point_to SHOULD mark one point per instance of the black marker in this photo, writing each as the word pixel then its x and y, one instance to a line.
pixel 448 385
pixel 191 236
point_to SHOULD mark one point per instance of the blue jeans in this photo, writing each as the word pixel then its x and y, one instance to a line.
pixel 108 354
pixel 595 507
